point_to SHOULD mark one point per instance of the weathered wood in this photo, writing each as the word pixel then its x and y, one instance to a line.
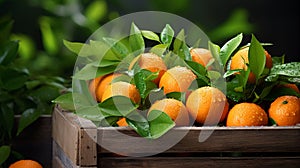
pixel 222 139
pixel 76 136
pixel 65 134
pixel 225 146
pixel 196 162
pixel 62 159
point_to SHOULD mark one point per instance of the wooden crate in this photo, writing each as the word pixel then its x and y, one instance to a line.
pixel 74 145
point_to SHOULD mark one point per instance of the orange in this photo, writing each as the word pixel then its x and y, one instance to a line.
pixel 122 122
pixel 122 89
pixel 26 164
pixel 240 59
pixel 285 110
pixel 173 108
pixel 93 86
pixel 247 114
pixel 208 105
pixel 106 80
pixel 151 62
pixel 177 79
pixel 201 56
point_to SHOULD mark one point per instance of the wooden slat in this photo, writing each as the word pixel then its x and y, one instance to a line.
pixel 222 139
pixel 65 135
pixel 88 147
pixel 76 136
pixel 63 160
pixel 196 162
pixel 56 162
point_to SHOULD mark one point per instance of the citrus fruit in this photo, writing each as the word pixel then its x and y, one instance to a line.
pixel 122 89
pixel 26 164
pixel 201 56
pixel 177 79
pixel 240 59
pixel 122 122
pixel 207 105
pixel 151 62
pixel 247 114
pixel 285 110
pixel 93 86
pixel 173 108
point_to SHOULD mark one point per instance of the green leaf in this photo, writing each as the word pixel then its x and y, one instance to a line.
pixel 45 93
pixel 156 94
pixel 280 91
pixel 12 79
pixel 289 72
pixel 278 60
pixel 177 95
pixel 213 75
pixel 8 52
pixel 197 44
pixel 266 90
pixel 117 106
pixel 257 58
pixel 101 50
pixel 65 101
pixel 215 50
pixel 96 10
pixel 180 48
pixel 4 153
pixel 136 40
pixel 167 35
pixel 27 117
pixel 48 36
pixel 231 72
pixel 143 81
pixel 229 48
pixel 199 70
pixel 150 35
pixel 73 46
pixel 232 92
pixel 92 113
pixel 5 29
pixel 109 121
pixel 90 71
pixel 139 123
pixel 105 63
pixel 160 123
pixel 159 49
pixel 179 40
pixel 6 118
pixel 117 47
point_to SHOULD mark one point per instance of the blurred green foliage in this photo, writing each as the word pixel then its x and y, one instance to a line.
pixel 41 26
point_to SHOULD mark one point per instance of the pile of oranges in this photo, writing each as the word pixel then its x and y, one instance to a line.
pixel 206 105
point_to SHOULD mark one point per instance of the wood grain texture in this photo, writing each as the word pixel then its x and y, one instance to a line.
pixel 65 134
pixel 197 162
pixel 264 146
pixel 220 139
pixel 76 136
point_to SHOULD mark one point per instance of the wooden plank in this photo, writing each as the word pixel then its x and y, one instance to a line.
pixel 65 134
pixel 56 162
pixel 76 136
pixel 88 147
pixel 222 139
pixel 196 162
